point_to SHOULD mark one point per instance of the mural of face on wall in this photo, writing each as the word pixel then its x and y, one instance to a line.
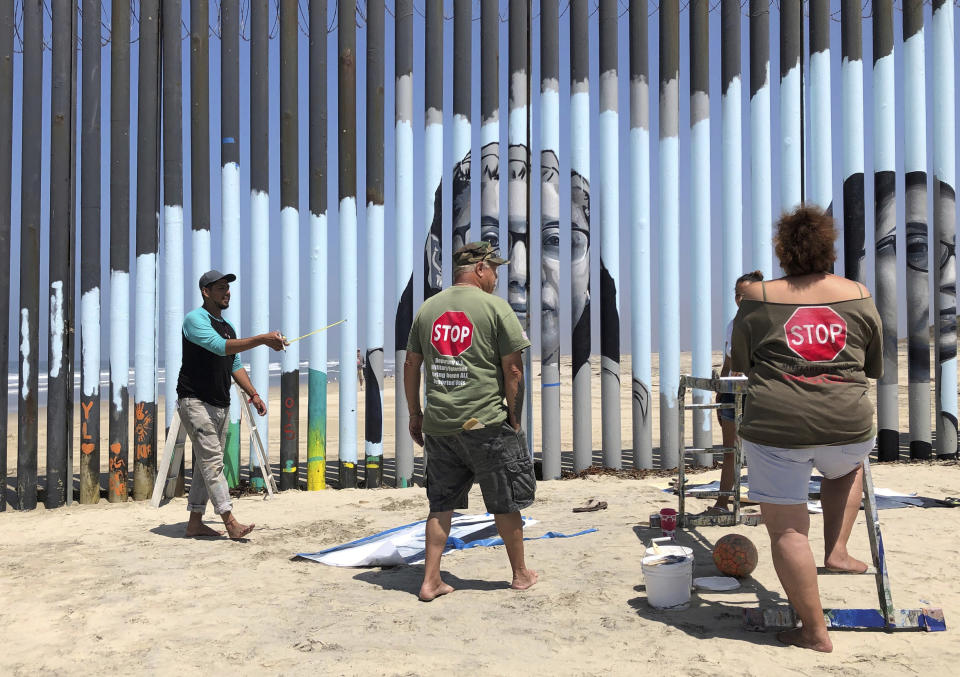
pixel 461 202
pixel 433 247
pixel 517 236
pixel 579 243
pixel 550 256
pixel 490 194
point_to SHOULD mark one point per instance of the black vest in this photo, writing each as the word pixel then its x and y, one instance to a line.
pixel 205 375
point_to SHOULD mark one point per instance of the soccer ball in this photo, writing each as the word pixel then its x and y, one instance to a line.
pixel 735 555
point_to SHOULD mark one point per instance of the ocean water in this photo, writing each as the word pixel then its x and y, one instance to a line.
pixel 13 380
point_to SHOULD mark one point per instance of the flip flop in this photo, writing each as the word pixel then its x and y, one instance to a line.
pixel 714 510
pixel 591 505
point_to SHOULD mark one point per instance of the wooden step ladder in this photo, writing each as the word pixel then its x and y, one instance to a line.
pixel 173 448
pixel 887 617
pixel 737 386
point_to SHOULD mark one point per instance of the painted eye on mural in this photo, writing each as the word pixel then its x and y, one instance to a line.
pixel 490 232
pixel 916 241
pixel 579 243
pixel 550 240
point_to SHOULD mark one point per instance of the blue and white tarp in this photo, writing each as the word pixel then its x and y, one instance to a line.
pixel 406 544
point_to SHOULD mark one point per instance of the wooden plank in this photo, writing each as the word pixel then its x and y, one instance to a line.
pixel 165 460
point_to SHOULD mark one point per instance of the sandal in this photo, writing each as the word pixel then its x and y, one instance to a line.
pixel 591 505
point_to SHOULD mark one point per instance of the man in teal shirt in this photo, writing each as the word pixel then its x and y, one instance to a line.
pixel 210 359
pixel 469 343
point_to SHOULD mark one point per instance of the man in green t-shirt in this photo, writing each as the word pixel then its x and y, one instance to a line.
pixel 469 343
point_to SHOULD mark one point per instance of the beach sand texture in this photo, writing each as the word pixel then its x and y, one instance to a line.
pixel 96 589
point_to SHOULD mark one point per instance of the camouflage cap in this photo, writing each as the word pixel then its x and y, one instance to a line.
pixel 475 252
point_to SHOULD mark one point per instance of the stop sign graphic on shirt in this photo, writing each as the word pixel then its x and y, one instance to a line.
pixel 452 333
pixel 816 333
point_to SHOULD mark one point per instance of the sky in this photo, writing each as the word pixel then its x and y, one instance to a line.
pixel 689 305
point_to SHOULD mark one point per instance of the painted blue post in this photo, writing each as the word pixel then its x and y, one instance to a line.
pixel 791 102
pixel 669 233
pixel 373 369
pixel 119 433
pixel 640 331
pixel 317 382
pixel 90 227
pixel 885 226
pixel 147 245
pixel 580 231
pixel 403 158
pixel 433 149
pixel 820 167
pixel 260 215
pixel 518 189
pixel 289 244
pixel 761 209
pixel 550 238
pixel 732 156
pixel 702 357
pixel 918 277
pixel 462 86
pixel 609 238
pixel 173 269
pixel 230 205
pixel 349 277
pixel 851 48
pixel 490 122
pixel 945 223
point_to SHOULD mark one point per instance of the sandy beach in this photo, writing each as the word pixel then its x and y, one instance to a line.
pixel 93 589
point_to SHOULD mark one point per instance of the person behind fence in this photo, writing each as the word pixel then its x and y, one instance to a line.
pixel 211 355
pixel 470 343
pixel 726 416
pixel 807 342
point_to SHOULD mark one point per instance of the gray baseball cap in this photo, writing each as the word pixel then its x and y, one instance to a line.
pixel 212 276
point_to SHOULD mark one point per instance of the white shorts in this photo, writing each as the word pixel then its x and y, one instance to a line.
pixel 782 476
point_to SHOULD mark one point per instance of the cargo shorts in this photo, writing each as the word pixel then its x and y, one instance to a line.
pixel 495 457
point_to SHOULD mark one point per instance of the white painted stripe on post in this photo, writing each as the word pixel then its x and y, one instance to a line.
pixel 348 338
pixel 260 305
pixel 732 198
pixel 852 79
pixel 56 328
pixel 290 276
pixel 119 334
pixel 640 336
pixel 90 331
pixel 173 271
pixel 884 116
pixel 761 208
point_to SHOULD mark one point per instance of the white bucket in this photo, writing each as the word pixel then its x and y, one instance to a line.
pixel 668 585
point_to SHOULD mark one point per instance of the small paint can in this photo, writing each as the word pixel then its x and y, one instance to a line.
pixel 668 522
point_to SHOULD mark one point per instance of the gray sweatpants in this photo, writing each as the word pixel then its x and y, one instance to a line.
pixel 207 427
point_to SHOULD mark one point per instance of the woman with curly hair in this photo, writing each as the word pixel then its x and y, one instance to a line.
pixel 807 342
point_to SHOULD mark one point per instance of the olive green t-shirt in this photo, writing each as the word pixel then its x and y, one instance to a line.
pixel 807 368
pixel 462 333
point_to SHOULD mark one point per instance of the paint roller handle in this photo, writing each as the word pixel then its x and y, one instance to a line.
pixel 274 340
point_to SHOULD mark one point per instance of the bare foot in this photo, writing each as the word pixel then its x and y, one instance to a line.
pixel 430 591
pixel 523 579
pixel 845 564
pixel 796 637
pixel 201 530
pixel 235 530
